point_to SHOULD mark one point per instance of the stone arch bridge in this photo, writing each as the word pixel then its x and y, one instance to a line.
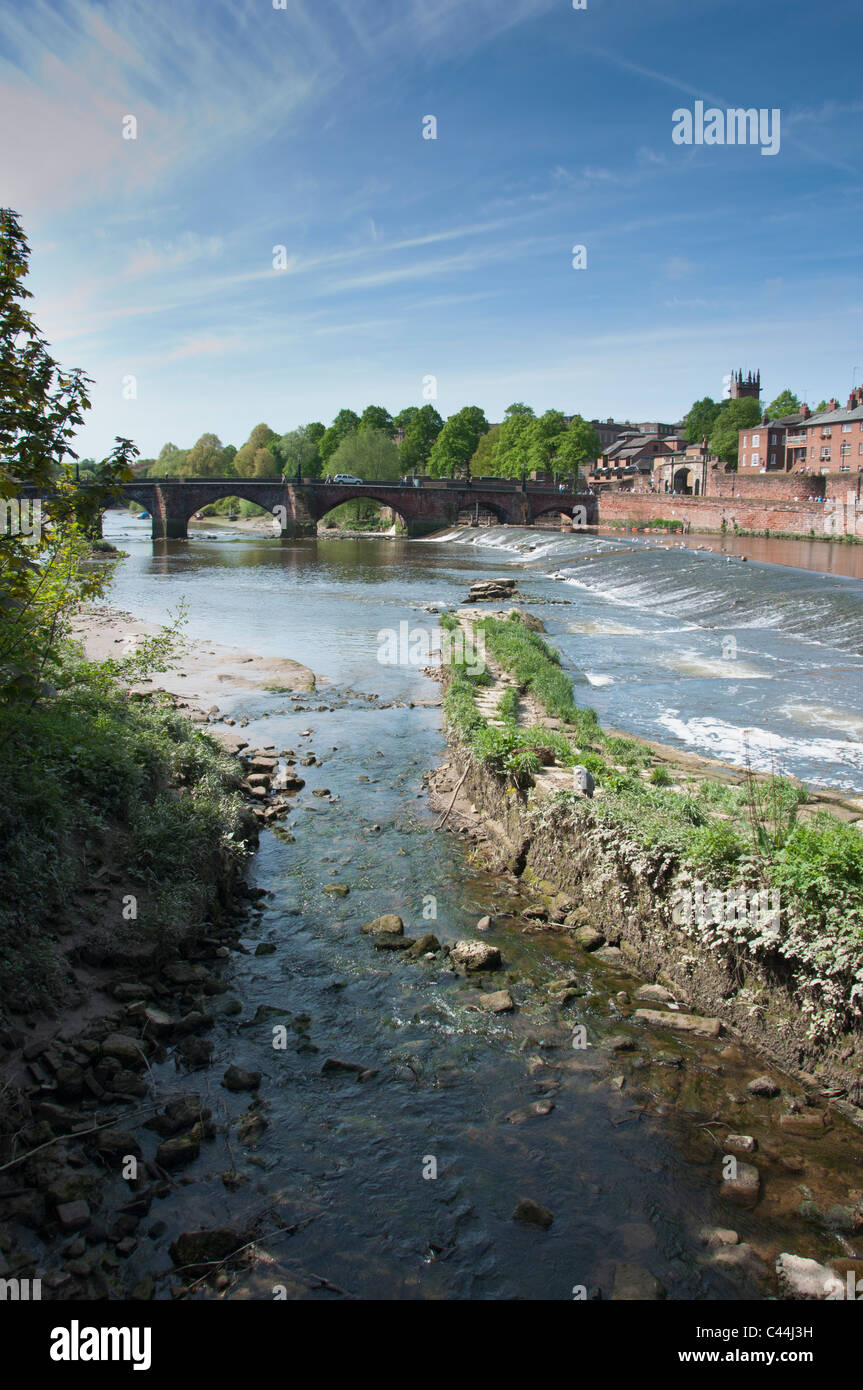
pixel 300 506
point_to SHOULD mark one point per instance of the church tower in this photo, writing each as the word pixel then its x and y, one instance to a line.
pixel 745 386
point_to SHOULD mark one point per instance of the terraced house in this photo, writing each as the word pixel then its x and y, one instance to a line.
pixel 828 442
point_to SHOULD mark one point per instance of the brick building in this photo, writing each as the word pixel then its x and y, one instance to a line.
pixel 829 442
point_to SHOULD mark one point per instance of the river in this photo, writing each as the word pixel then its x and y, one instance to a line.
pixel 623 1160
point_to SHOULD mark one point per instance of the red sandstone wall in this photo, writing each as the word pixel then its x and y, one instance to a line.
pixel 706 514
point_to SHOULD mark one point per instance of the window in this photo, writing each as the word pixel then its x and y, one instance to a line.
pixel 846 449
pixel 773 460
pixel 755 460
pixel 860 448
pixel 746 441
pixel 756 440
pixel 744 456
pixel 774 439
pixel 825 453
pixel 846 429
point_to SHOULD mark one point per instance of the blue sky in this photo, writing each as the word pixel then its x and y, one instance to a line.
pixel 451 258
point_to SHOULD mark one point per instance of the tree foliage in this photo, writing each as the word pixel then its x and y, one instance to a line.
pixel 456 444
pixel 786 403
pixel 46 567
pixel 421 431
pixel 735 416
pixel 369 454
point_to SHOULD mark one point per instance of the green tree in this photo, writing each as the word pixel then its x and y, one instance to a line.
pixel 572 447
pixel 483 464
pixel 246 460
pixel 404 417
pixel 735 416
pixel 700 419
pixel 346 422
pixel 370 454
pixel 298 451
pixel 205 457
pixel 456 444
pixel 786 403
pixel 375 417
pixel 45 567
pixel 421 431
pixel 517 434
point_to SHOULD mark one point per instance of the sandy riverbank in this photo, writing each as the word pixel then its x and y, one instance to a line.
pixel 206 671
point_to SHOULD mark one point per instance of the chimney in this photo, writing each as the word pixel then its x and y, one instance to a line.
pixel 805 411
pixel 765 419
pixel 832 404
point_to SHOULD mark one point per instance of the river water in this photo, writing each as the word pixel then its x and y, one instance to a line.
pixel 625 1160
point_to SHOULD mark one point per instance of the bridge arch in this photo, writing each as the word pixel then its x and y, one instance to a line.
pixel 363 495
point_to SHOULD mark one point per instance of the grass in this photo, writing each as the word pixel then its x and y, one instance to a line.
pixel 747 835
pixel 92 779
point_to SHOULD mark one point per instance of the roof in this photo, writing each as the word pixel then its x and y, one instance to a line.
pixel 836 417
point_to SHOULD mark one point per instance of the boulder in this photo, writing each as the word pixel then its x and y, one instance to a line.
pixel 531 1213
pixel 389 924
pixel 763 1086
pixel 681 1023
pixel 588 938
pixel 807 1279
pixel 238 1079
pixel 744 1189
pixel 499 1001
pixel 475 955
pixel 582 781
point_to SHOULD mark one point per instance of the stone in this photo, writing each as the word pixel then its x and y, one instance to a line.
pixel 73 1216
pixel 180 1113
pixel 715 1236
pixel 425 945
pixel 499 1001
pixel 632 1283
pixel 158 1022
pixel 475 955
pixel 588 938
pixel 801 1278
pixel 763 1086
pixel 744 1189
pixel 333 1064
pixel 612 955
pixel 740 1144
pixel 195 1052
pixel 238 1079
pixel 531 1213
pixel 740 1259
pixel 483 924
pixel 619 1042
pixel 175 1153
pixel 388 924
pixel 813 1122
pixel 385 942
pixel 115 1145
pixel 582 781
pixel 537 1110
pixel 336 890
pixel 124 1049
pixel 681 1023
pixel 654 994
